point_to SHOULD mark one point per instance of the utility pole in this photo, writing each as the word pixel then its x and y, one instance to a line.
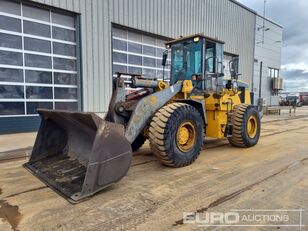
pixel 263 26
pixel 263 31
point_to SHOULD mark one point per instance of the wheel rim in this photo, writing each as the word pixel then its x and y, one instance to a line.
pixel 186 135
pixel 252 126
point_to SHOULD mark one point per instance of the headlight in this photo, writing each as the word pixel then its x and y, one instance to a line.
pixel 196 39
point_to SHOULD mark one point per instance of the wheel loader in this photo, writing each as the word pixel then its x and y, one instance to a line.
pixel 78 154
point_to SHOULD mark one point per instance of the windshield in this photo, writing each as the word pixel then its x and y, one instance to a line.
pixel 186 60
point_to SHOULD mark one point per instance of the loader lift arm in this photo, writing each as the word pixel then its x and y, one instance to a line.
pixel 144 108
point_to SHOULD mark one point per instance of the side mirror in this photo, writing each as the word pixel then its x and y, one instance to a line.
pixel 165 56
pixel 233 67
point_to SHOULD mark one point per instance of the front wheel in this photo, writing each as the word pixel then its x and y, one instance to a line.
pixel 176 134
pixel 246 126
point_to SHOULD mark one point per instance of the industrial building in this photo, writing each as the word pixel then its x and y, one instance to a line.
pixel 62 54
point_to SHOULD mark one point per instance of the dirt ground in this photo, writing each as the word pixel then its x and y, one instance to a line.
pixel 271 175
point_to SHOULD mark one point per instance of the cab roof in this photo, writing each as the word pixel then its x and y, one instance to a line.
pixel 193 36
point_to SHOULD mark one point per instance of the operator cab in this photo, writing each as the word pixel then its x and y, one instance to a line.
pixel 198 58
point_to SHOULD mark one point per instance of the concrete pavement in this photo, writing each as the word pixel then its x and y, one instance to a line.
pixel 271 175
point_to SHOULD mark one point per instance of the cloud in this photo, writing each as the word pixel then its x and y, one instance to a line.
pixel 299 85
pixel 302 67
pixel 295 79
pixel 293 16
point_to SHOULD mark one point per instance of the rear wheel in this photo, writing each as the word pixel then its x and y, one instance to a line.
pixel 246 126
pixel 176 134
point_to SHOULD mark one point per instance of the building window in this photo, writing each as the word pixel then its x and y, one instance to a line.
pixel 273 72
pixel 137 53
pixel 38 61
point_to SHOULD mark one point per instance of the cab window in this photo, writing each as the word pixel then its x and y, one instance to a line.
pixel 186 60
pixel 210 57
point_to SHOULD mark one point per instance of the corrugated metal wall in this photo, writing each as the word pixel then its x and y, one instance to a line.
pixel 269 52
pixel 222 19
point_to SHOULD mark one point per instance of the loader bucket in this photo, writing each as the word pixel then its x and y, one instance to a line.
pixel 78 154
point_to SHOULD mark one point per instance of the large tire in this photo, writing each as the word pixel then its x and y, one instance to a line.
pixel 138 142
pixel 176 134
pixel 246 126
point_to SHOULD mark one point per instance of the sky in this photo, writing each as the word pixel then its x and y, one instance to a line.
pixel 293 16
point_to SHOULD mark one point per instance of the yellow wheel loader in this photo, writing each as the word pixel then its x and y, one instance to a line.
pixel 79 154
